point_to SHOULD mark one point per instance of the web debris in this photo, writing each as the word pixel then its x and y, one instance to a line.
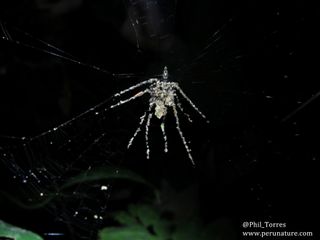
pixel 163 96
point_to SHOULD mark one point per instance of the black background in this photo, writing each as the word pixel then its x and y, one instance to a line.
pixel 250 164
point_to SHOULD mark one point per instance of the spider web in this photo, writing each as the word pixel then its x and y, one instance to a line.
pixel 40 166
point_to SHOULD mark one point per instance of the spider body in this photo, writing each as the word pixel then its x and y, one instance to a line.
pixel 164 95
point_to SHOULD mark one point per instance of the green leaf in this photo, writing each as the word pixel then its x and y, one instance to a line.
pixel 127 233
pixel 150 217
pixel 106 173
pixel 125 218
pixel 9 231
pixel 146 214
pixel 143 221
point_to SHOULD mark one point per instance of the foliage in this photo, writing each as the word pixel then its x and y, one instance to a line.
pixel 167 221
pixel 12 232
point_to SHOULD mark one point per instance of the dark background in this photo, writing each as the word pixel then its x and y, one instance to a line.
pixel 251 162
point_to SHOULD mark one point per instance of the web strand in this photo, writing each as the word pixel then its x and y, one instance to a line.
pixel 213 39
pixel 302 106
pixel 59 53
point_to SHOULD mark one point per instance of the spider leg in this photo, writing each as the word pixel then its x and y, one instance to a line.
pixel 190 102
pixel 151 80
pixel 142 118
pixel 139 94
pixel 175 112
pixel 163 130
pixel 181 109
pixel 147 131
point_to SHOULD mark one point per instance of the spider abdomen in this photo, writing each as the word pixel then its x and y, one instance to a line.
pixel 162 96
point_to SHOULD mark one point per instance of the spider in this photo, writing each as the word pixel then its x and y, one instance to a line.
pixel 163 96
